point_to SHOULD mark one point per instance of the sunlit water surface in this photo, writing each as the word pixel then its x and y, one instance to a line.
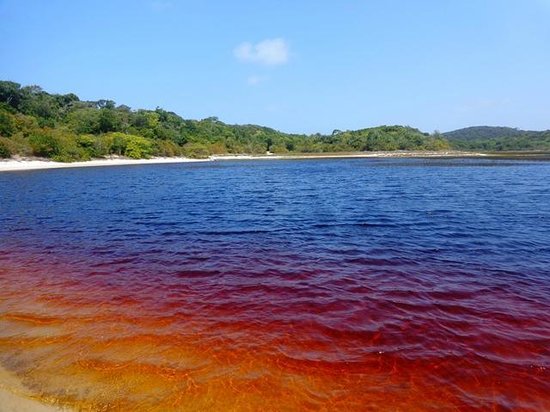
pixel 279 285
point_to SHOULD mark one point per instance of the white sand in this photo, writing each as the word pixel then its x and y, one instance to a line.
pixel 14 397
pixel 21 164
pixel 36 164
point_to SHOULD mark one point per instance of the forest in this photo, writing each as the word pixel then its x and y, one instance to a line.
pixel 498 139
pixel 65 128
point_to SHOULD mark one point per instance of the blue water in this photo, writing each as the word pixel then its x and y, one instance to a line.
pixel 458 212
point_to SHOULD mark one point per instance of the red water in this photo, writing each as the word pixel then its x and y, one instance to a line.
pixel 103 342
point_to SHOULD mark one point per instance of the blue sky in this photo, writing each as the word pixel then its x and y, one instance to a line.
pixel 298 66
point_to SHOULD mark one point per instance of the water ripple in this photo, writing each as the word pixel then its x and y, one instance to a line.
pixel 301 285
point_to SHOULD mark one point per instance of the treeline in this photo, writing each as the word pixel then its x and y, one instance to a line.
pixel 496 139
pixel 483 133
pixel 538 141
pixel 64 128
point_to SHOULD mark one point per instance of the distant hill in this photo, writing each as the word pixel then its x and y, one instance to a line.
pixel 483 132
pixel 490 138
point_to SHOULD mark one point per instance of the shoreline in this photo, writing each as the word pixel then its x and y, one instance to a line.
pixel 14 397
pixel 24 164
pixel 28 164
pixel 352 155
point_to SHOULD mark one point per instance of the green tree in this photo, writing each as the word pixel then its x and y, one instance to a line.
pixel 108 121
pixel 11 94
pixel 44 145
pixel 7 124
pixel 4 151
pixel 138 147
pixel 84 121
pixel 196 150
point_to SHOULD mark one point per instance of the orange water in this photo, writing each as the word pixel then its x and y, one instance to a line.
pixel 95 345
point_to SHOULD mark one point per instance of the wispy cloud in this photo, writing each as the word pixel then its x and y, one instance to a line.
pixel 269 52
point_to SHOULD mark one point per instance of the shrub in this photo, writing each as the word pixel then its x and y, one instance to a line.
pixel 102 145
pixel 86 142
pixel 279 148
pixel 26 124
pixel 5 152
pixel 7 125
pixel 111 143
pixel 217 148
pixel 196 150
pixel 17 144
pixel 167 148
pixel 118 143
pixel 138 147
pixel 44 145
pixel 72 154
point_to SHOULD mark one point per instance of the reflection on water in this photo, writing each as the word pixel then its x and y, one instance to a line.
pixel 330 284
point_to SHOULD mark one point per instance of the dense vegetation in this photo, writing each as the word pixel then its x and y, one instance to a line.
pixel 494 139
pixel 65 128
pixel 482 133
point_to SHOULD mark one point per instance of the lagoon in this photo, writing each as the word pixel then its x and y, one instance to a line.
pixel 350 284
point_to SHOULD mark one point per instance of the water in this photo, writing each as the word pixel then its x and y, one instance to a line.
pixel 361 284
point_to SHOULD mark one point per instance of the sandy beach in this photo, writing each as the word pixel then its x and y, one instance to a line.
pixel 14 397
pixel 23 164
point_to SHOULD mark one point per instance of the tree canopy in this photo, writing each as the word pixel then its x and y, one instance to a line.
pixel 497 139
pixel 65 128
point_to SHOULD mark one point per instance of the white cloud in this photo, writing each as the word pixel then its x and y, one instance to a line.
pixel 269 52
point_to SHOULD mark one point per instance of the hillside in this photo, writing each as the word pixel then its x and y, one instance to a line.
pixel 489 138
pixel 65 128
pixel 482 133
